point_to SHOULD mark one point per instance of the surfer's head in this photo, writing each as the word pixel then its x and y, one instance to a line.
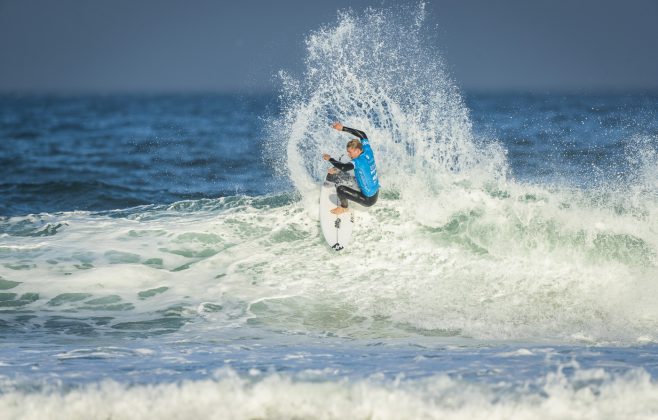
pixel 354 148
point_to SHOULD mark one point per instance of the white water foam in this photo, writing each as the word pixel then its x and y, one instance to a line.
pixel 249 265
pixel 588 394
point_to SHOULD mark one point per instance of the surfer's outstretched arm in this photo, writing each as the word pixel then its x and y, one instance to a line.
pixel 340 127
pixel 342 166
pixel 360 134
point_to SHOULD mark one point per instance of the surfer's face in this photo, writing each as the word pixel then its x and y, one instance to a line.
pixel 353 152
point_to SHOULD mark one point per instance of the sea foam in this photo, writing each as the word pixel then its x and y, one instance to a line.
pixel 587 394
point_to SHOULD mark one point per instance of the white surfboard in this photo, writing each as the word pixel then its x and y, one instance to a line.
pixel 337 229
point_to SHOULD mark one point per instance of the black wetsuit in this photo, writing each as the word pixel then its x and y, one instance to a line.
pixel 346 193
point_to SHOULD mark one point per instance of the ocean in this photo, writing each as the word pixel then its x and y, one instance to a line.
pixel 161 254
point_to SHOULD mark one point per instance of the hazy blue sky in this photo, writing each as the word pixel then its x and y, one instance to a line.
pixel 204 45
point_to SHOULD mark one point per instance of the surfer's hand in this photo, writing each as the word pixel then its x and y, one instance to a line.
pixel 338 126
pixel 332 171
pixel 326 156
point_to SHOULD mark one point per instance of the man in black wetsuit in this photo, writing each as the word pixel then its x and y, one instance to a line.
pixel 365 171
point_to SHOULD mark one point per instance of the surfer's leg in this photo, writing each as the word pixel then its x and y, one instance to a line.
pixel 347 193
pixel 369 201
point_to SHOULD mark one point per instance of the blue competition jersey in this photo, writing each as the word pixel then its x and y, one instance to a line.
pixel 365 170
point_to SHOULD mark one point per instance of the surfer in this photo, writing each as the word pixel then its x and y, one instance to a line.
pixel 365 171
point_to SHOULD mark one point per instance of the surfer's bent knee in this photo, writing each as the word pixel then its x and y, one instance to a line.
pixel 345 193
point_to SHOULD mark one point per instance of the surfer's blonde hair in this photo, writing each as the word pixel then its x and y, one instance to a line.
pixel 354 144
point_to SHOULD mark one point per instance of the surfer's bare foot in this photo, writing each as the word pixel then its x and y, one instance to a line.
pixel 339 210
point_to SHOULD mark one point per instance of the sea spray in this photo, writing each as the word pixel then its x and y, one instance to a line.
pixel 376 72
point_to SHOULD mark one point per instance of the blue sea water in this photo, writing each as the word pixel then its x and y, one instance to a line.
pixel 161 257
